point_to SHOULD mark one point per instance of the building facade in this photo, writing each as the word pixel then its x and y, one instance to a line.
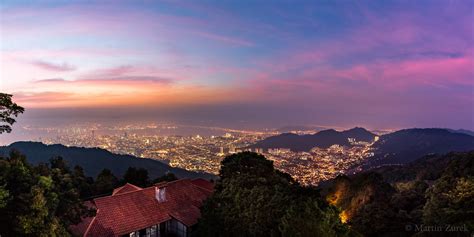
pixel 165 209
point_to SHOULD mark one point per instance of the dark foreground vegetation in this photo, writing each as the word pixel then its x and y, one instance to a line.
pixel 433 196
pixel 251 198
pixel 44 200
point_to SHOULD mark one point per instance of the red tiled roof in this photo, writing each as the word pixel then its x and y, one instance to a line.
pixel 203 184
pixel 124 212
pixel 81 228
pixel 125 189
pixel 187 215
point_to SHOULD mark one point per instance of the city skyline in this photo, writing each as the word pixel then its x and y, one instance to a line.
pixel 380 65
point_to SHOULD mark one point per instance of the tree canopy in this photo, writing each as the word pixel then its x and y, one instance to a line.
pixel 393 201
pixel 251 198
pixel 38 200
pixel 136 176
pixel 8 112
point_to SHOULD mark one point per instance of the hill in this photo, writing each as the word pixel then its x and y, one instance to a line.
pixel 322 139
pixel 288 129
pixel 93 160
pixel 465 131
pixel 407 145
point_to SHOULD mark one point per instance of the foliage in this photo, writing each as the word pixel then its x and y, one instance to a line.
pixel 83 183
pixel 450 200
pixel 4 195
pixel 136 176
pixel 41 203
pixel 105 182
pixel 309 219
pixel 251 198
pixel 168 177
pixel 434 191
pixel 8 110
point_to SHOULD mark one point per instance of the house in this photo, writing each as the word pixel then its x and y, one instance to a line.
pixel 165 209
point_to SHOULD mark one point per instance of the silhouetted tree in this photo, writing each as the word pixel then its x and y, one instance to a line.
pixel 8 111
pixel 37 204
pixel 83 183
pixel 105 182
pixel 59 163
pixel 307 218
pixel 251 198
pixel 136 176
pixel 69 207
pixel 168 177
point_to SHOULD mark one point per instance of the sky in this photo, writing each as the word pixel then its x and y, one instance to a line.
pixel 378 64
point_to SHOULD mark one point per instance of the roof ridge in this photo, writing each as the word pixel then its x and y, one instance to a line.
pixel 178 180
pixel 133 185
pixel 199 186
pixel 121 194
pixel 90 224
pixel 142 189
pixel 203 188
pixel 116 190
pixel 165 183
pixel 160 183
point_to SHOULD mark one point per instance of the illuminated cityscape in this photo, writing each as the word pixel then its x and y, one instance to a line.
pixel 205 152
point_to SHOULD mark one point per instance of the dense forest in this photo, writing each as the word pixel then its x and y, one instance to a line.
pixel 434 191
pixel 251 198
pixel 44 200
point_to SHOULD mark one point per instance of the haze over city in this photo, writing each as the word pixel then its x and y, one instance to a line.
pixel 377 64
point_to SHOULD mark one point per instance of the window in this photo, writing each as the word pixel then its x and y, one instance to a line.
pixel 181 229
pixel 151 231
pixel 178 228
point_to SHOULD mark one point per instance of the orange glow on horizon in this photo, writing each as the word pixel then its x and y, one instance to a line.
pixel 95 93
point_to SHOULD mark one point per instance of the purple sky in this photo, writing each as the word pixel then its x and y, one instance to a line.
pixel 379 64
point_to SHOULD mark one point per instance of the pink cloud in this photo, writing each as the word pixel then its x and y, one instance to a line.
pixel 84 20
pixel 50 80
pixel 124 80
pixel 136 72
pixel 393 53
pixel 64 67
pixel 435 71
pixel 47 97
pixel 396 74
pixel 112 72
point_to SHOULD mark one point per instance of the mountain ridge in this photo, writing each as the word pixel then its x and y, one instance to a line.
pixel 408 145
pixel 463 131
pixel 323 139
pixel 93 160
